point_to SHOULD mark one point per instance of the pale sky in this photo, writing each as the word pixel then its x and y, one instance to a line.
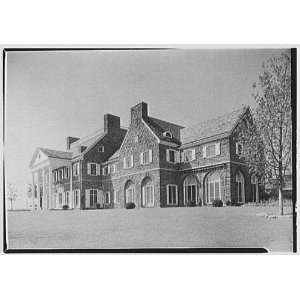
pixel 54 94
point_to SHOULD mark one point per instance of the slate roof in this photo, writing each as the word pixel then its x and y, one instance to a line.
pixel 213 127
pixel 89 139
pixel 56 153
pixel 159 127
pixel 115 155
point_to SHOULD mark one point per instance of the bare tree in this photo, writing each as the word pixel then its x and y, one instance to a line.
pixel 12 194
pixel 267 138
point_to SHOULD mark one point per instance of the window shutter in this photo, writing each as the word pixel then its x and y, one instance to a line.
pixel 150 155
pixel 141 158
pixel 177 156
pixel 204 151
pixel 168 199
pixel 218 149
pixel 97 169
pixel 108 169
pixel 237 148
pixel 124 162
pixel 87 198
pixel 131 161
pixel 89 168
pixel 168 154
pixel 193 154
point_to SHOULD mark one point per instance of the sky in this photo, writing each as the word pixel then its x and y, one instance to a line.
pixel 54 94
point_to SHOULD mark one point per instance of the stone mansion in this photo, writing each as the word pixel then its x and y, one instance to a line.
pixel 153 163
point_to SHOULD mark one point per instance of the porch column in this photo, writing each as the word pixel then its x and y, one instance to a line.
pixel 33 189
pixel 38 190
pixel 257 192
pixel 71 188
pixel 50 188
pixel 44 192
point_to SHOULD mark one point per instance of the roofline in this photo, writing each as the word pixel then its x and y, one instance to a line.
pixel 181 127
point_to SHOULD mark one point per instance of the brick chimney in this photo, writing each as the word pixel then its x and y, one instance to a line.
pixel 139 111
pixel 111 122
pixel 71 140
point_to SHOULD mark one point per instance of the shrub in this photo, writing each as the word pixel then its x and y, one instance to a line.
pixel 228 203
pixel 130 205
pixel 65 207
pixel 192 203
pixel 217 203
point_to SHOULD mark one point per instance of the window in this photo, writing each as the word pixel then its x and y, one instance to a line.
pixel 107 198
pixel 128 162
pixel 167 134
pixel 60 174
pixel 101 149
pixel 67 172
pixel 106 170
pixel 189 155
pixel 146 157
pixel 171 194
pixel 76 198
pixel 211 150
pixel 93 198
pixel 213 187
pixel 93 169
pixel 113 168
pixel 67 198
pixel 76 169
pixel 60 199
pixel 238 148
pixel 172 156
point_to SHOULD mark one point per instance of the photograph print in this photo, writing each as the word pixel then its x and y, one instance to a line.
pixel 183 149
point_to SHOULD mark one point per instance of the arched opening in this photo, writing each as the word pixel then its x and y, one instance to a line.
pixel 129 192
pixel 254 188
pixel 147 192
pixel 212 185
pixel 239 178
pixel 190 190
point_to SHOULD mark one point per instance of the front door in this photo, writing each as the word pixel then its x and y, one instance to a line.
pixel 148 196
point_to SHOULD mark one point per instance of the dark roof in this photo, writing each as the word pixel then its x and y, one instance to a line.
pixel 56 153
pixel 213 127
pixel 159 127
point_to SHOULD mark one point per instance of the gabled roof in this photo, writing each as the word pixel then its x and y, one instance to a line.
pixel 51 153
pixel 115 155
pixel 223 124
pixel 159 127
pixel 88 140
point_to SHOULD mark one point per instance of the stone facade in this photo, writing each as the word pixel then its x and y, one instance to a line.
pixel 153 164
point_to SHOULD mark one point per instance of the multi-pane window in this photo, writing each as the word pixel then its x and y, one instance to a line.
pixel 105 170
pixel 130 194
pixel 211 150
pixel 146 157
pixel 93 198
pixel 148 195
pixel 101 149
pixel 60 174
pixel 60 199
pixel 76 198
pixel 214 191
pixel 107 198
pixel 173 156
pixel 113 168
pixel 128 162
pixel 93 169
pixel 171 194
pixel 76 169
pixel 189 155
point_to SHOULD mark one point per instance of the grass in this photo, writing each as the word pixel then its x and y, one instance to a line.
pixel 156 227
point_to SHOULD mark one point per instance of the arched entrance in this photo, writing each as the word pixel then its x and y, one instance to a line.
pixel 239 178
pixel 190 190
pixel 212 185
pixel 254 188
pixel 147 192
pixel 129 192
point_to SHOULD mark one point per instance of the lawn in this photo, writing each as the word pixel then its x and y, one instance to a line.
pixel 157 227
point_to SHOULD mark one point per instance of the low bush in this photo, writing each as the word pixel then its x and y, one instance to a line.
pixel 217 203
pixel 228 203
pixel 66 207
pixel 130 205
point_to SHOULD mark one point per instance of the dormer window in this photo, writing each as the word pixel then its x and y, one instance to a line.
pixel 168 134
pixel 101 149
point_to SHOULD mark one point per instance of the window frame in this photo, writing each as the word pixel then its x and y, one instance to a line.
pixel 90 168
pixel 168 134
pixel 168 194
pixel 175 156
pixel 101 149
